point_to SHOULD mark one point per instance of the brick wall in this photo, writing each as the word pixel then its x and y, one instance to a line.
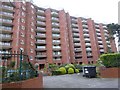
pixel 31 83
pixel 110 72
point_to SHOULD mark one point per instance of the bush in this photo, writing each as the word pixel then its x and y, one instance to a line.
pixel 70 71
pixel 77 70
pixel 110 60
pixel 63 70
pixel 56 72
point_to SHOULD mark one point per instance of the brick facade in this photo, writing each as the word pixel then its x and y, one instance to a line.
pixel 53 36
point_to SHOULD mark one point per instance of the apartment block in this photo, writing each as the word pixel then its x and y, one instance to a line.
pixel 51 36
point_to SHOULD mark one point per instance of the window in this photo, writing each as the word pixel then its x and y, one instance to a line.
pixel 22 20
pixel 32 30
pixel 31 57
pixel 32 6
pixel 31 36
pixel 32 24
pixel 23 14
pixel 23 8
pixel 22 34
pixel 23 27
pixel 31 43
pixel 21 41
pixel 31 50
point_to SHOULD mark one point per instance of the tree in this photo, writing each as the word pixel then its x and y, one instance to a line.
pixel 113 29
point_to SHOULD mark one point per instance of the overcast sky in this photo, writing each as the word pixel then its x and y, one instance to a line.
pixel 103 11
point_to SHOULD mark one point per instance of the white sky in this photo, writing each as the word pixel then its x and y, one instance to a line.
pixel 103 11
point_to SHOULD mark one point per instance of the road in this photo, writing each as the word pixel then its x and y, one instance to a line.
pixel 78 81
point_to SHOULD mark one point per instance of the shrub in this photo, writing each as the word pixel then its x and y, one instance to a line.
pixel 110 60
pixel 63 70
pixel 56 72
pixel 70 71
pixel 77 70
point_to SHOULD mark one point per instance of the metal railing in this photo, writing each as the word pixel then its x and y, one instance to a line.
pixel 16 67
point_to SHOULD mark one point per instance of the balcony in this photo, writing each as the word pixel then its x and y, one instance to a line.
pixel 76 35
pixel 99 38
pixel 76 39
pixel 87 39
pixel 55 19
pixel 85 30
pixel 75 30
pixel 88 49
pixel 41 56
pixel 88 44
pixel 55 25
pixel 40 49
pixel 74 20
pixel 78 56
pixel 6 8
pixel 77 45
pixel 6 31
pixel 109 45
pixel 40 18
pixel 85 26
pixel 6 38
pixel 75 25
pixel 6 22
pixel 100 42
pixel 108 42
pixel 86 35
pixel 41 12
pixel 40 29
pixel 56 48
pixel 101 46
pixel 56 43
pixel 39 23
pixel 105 27
pixel 55 14
pixel 105 30
pixel 57 55
pixel 101 50
pixel 6 15
pixel 42 42
pixel 40 36
pixel 56 36
pixel 98 34
pixel 106 34
pixel 77 50
pixel 84 21
pixel 5 46
pixel 98 30
pixel 97 26
pixel 55 30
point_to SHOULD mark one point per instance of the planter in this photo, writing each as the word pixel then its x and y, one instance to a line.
pixel 109 72
pixel 30 83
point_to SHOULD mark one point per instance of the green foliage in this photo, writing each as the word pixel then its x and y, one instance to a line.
pixel 110 60
pixel 70 66
pixel 77 70
pixel 12 64
pixel 63 70
pixel 56 72
pixel 70 71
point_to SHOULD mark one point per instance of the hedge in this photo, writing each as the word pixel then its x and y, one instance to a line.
pixel 110 60
pixel 70 71
pixel 63 70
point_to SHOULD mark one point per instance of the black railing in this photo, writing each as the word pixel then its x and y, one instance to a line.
pixel 16 67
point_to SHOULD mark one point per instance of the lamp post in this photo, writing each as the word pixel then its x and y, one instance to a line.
pixel 20 70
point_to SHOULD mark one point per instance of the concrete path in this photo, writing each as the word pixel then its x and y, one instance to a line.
pixel 78 81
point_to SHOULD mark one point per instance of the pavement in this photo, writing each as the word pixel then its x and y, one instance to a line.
pixel 78 81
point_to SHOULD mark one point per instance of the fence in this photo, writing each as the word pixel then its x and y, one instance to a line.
pixel 16 67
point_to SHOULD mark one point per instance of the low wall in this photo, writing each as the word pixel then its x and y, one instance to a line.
pixel 109 72
pixel 30 83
